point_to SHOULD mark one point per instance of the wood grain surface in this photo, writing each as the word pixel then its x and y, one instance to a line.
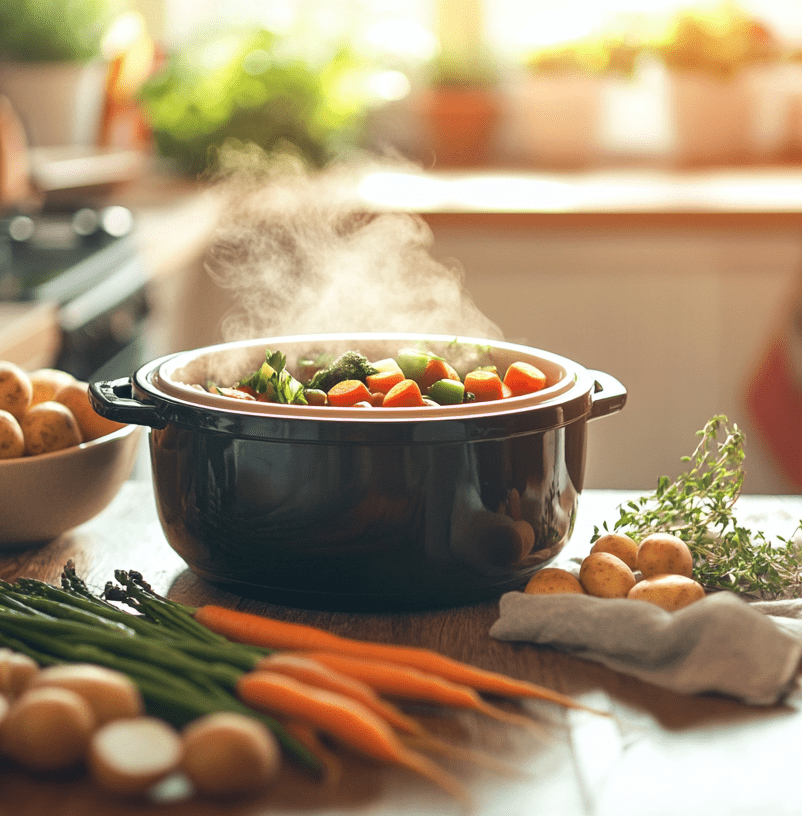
pixel 659 752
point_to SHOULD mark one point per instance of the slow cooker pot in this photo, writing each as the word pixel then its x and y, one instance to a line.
pixel 363 508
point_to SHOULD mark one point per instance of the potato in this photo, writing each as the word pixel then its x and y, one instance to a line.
pixel 605 575
pixel 130 756
pixel 16 390
pixel 110 694
pixel 617 544
pixel 229 754
pixel 46 382
pixel 75 396
pixel 664 554
pixel 17 671
pixel 49 426
pixel 47 729
pixel 670 592
pixel 553 581
pixel 12 441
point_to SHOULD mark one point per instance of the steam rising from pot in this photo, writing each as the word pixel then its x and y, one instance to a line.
pixel 301 254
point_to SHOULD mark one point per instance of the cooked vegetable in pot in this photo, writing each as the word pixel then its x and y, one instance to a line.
pixel 413 378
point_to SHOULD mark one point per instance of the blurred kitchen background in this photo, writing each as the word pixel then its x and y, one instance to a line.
pixel 619 180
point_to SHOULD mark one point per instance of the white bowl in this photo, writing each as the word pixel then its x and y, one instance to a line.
pixel 43 496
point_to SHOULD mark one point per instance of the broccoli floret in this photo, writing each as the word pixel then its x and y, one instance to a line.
pixel 351 365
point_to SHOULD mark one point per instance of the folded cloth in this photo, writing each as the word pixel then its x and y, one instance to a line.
pixel 720 644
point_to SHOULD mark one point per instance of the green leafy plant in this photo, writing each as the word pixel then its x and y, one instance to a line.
pixel 699 507
pixel 605 54
pixel 54 30
pixel 246 87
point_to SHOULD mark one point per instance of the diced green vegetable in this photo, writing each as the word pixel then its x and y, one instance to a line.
pixel 413 362
pixel 447 392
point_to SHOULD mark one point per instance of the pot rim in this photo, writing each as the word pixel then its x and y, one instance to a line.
pixel 567 380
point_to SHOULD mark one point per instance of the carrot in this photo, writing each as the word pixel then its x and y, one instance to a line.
pixel 343 719
pixel 484 385
pixel 437 369
pixel 256 630
pixel 384 380
pixel 309 737
pixel 524 378
pixel 316 673
pixel 346 393
pixel 405 394
pixel 412 685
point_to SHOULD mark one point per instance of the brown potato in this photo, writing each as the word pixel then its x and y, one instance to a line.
pixel 617 544
pixel 16 390
pixel 12 441
pixel 49 426
pixel 553 581
pixel 671 592
pixel 46 382
pixel 605 575
pixel 664 554
pixel 75 396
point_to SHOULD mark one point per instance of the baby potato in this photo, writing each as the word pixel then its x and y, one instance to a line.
pixel 670 592
pixel 46 382
pixel 553 581
pixel 49 426
pixel 605 575
pixel 664 554
pixel 75 396
pixel 12 441
pixel 16 390
pixel 618 544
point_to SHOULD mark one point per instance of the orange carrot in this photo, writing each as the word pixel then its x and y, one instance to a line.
pixel 405 394
pixel 437 369
pixel 384 380
pixel 347 393
pixel 412 685
pixel 524 378
pixel 309 737
pixel 343 719
pixel 256 630
pixel 316 673
pixel 484 385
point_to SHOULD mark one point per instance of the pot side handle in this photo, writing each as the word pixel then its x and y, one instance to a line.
pixel 114 399
pixel 609 395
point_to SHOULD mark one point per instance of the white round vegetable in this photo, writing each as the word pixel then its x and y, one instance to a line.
pixel 47 729
pixel 110 694
pixel 130 756
pixel 229 754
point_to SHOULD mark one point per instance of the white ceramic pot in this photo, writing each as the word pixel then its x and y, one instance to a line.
pixel 59 103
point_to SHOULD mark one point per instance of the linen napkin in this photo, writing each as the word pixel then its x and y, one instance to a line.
pixel 720 644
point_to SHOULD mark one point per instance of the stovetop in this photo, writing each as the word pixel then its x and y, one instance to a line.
pixel 58 255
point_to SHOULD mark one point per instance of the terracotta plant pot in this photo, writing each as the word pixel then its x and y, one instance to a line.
pixel 461 124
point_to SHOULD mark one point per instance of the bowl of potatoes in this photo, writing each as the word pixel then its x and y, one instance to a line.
pixel 61 463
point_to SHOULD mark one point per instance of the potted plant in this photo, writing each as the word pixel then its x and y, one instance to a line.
pixel 52 68
pixel 561 97
pixel 715 58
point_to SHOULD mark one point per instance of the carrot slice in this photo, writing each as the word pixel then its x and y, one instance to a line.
pixel 524 378
pixel 384 380
pixel 437 369
pixel 405 394
pixel 348 393
pixel 484 385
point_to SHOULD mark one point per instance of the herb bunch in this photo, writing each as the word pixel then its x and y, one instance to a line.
pixel 699 507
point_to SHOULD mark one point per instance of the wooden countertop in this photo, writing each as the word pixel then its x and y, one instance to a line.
pixel 660 753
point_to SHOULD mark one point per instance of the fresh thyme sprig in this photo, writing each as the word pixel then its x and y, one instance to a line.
pixel 698 506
